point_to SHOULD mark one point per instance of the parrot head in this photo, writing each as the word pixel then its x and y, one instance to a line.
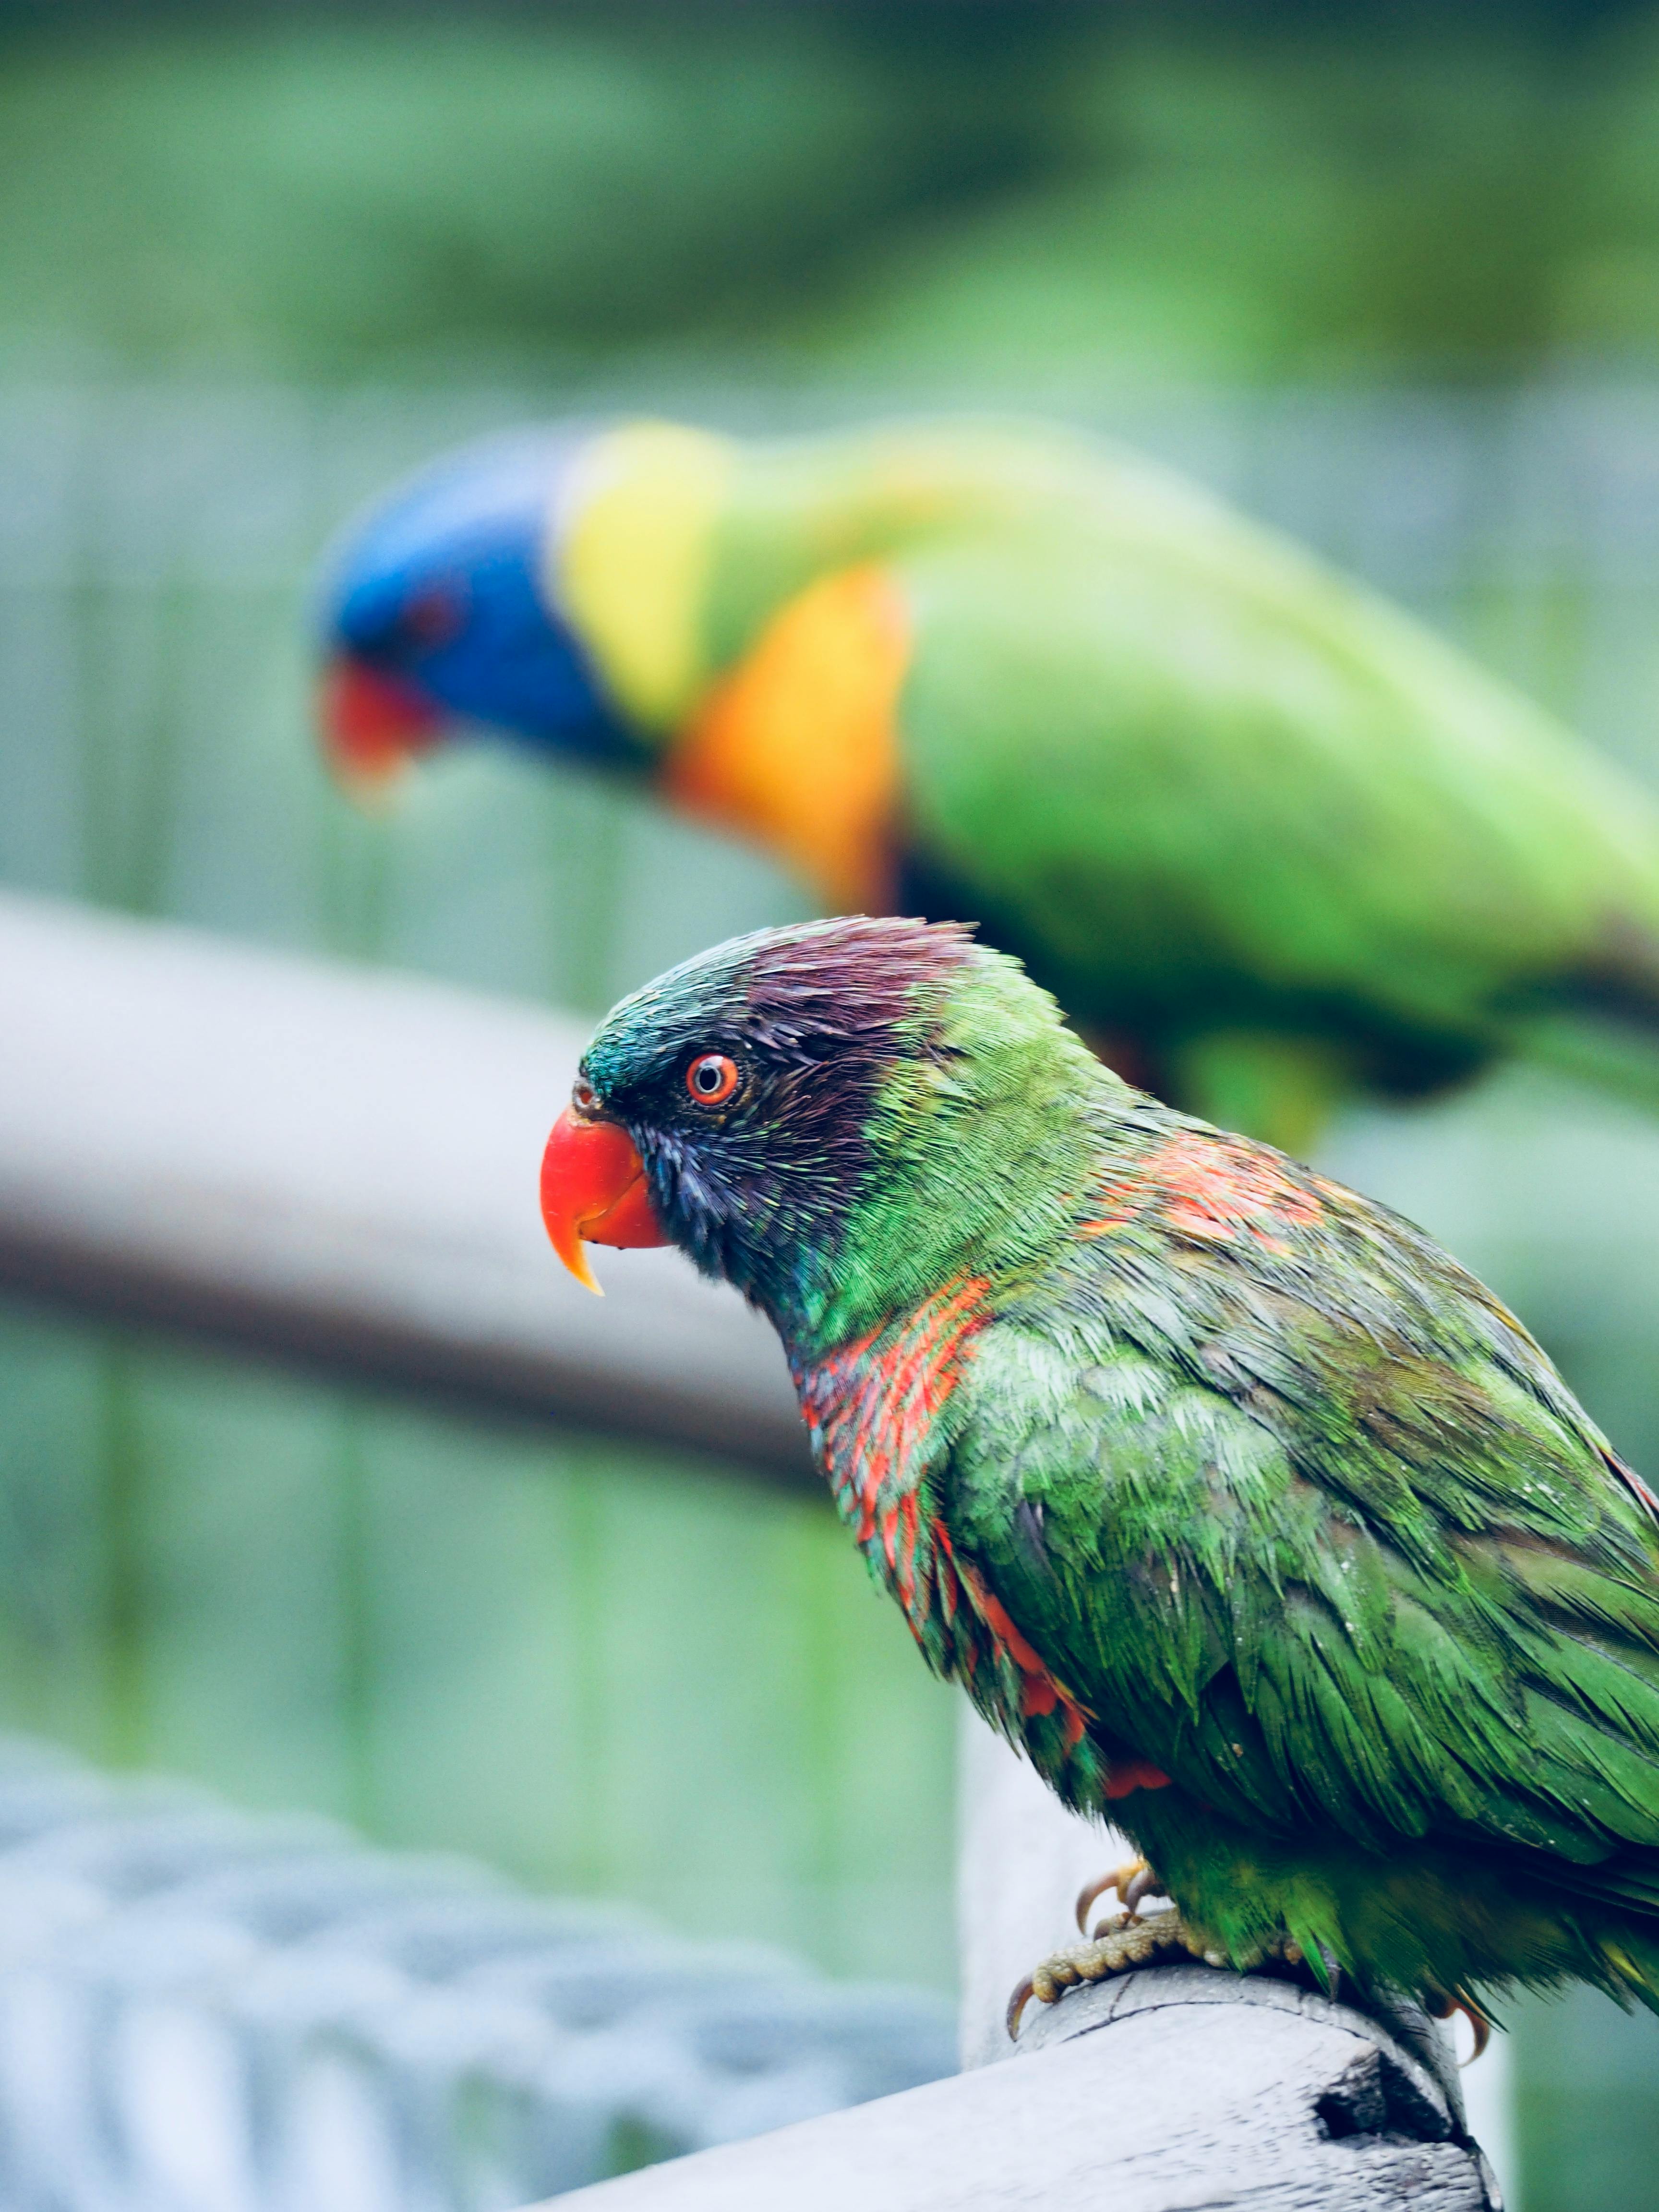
pixel 835 1117
pixel 435 612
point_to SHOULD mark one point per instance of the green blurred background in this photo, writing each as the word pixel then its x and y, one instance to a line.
pixel 1389 276
pixel 974 192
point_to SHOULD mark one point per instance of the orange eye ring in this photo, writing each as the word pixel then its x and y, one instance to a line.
pixel 712 1078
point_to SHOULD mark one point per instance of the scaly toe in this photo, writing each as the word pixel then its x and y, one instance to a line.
pixel 1128 1940
pixel 1117 1947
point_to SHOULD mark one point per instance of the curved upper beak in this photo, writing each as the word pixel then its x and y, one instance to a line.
pixel 372 725
pixel 594 1191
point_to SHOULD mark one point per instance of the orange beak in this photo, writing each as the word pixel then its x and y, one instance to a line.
pixel 594 1191
pixel 373 725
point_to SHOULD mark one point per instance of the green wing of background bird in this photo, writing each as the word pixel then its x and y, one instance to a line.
pixel 1279 834
pixel 1269 841
pixel 1361 1570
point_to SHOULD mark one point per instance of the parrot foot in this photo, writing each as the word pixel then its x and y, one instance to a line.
pixel 1121 1945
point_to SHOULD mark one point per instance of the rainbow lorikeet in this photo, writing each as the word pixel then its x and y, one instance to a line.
pixel 1269 841
pixel 1224 1493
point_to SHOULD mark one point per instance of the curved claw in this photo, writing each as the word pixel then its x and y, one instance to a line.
pixel 1144 1884
pixel 1480 2026
pixel 1442 2007
pixel 1016 2004
pixel 1120 1879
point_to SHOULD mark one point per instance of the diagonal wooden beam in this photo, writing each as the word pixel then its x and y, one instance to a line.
pixel 1176 2089
pixel 338 1164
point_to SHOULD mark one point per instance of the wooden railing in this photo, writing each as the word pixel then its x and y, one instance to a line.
pixel 337 1164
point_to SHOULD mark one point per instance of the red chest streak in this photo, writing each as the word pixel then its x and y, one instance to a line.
pixel 873 1407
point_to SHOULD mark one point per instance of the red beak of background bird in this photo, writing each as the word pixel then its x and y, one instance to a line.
pixel 372 725
pixel 594 1191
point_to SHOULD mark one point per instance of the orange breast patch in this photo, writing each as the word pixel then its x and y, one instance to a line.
pixel 797 746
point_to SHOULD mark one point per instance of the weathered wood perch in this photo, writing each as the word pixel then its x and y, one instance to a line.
pixel 1172 2090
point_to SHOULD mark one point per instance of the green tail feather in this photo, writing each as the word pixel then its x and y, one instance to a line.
pixel 1635 1887
pixel 1633 1956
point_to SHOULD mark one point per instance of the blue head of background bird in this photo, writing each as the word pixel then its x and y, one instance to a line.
pixel 435 612
pixel 1268 843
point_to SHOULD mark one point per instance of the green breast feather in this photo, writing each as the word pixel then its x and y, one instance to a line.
pixel 1351 1569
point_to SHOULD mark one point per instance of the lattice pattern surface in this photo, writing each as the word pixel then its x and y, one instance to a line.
pixel 203 2010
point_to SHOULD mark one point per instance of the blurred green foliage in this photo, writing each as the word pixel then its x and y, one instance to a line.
pixel 1588 2119
pixel 337 195
pixel 983 192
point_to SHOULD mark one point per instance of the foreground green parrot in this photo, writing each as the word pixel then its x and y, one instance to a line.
pixel 1224 1493
pixel 1269 842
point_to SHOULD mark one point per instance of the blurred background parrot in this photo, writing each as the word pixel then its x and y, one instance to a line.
pixel 1269 842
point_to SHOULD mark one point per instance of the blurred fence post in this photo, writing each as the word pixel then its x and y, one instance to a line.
pixel 1022 1858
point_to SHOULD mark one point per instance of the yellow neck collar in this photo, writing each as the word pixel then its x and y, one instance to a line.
pixel 797 746
pixel 630 561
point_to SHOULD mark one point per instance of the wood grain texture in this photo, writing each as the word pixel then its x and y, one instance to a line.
pixel 1176 2089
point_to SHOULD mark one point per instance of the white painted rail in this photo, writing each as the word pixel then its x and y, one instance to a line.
pixel 337 1164
pixel 1176 2089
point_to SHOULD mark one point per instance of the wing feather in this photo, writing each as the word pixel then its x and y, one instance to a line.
pixel 1326 1537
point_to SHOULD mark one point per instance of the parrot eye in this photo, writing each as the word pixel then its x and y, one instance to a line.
pixel 432 618
pixel 584 1098
pixel 712 1078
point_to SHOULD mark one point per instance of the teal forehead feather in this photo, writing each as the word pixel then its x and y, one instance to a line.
pixel 851 975
pixel 668 1012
